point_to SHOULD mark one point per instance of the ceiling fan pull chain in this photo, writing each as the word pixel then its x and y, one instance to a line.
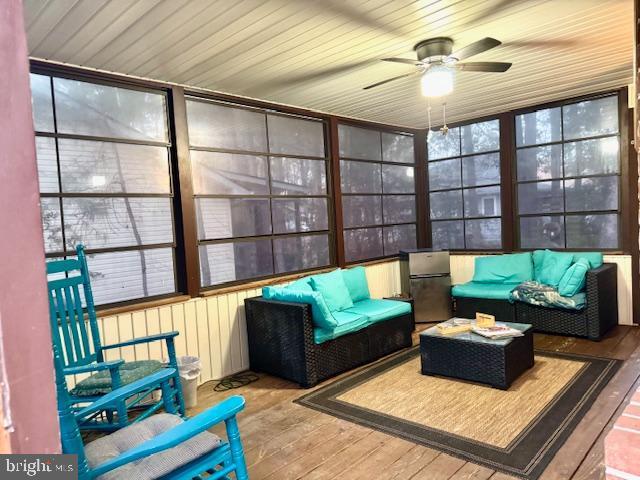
pixel 429 131
pixel 445 129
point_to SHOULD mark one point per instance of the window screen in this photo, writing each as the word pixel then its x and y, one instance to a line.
pixel 464 187
pixel 261 192
pixel 568 176
pixel 104 170
pixel 378 192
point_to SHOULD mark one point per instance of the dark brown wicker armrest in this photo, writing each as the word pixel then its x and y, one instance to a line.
pixel 280 336
pixel 602 300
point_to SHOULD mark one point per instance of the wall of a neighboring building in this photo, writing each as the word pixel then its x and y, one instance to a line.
pixel 27 380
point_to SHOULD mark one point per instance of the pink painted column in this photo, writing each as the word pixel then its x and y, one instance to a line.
pixel 26 357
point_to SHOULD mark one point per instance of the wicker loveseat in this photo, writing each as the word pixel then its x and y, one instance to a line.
pixel 598 316
pixel 286 340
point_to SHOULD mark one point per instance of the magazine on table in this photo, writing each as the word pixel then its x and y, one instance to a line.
pixel 497 332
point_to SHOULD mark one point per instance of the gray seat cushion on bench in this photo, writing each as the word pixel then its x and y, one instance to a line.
pixel 154 466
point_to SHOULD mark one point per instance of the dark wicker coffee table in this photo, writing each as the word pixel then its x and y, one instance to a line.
pixel 469 356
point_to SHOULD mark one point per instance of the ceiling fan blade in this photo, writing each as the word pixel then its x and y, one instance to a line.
pixel 495 10
pixel 475 48
pixel 408 61
pixel 551 43
pixel 484 66
pixel 355 14
pixel 390 80
pixel 326 74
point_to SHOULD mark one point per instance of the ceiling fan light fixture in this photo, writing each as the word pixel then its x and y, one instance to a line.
pixel 437 81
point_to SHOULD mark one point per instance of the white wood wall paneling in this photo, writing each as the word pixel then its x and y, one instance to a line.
pixel 214 328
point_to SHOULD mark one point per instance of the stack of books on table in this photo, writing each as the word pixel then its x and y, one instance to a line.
pixel 497 332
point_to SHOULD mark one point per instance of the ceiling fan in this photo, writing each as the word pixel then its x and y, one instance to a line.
pixel 437 62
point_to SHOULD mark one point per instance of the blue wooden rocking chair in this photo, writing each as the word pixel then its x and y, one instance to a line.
pixel 82 352
pixel 161 446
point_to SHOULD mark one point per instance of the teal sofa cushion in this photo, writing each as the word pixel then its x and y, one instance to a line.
pixel 538 260
pixel 554 266
pixel 493 291
pixel 595 259
pixel 320 313
pixel 346 323
pixel 332 287
pixel 575 278
pixel 356 281
pixel 378 310
pixel 513 268
pixel 303 284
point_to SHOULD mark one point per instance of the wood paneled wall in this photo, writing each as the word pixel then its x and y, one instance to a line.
pixel 214 328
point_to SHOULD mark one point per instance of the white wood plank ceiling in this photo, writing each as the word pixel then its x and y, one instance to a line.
pixel 318 54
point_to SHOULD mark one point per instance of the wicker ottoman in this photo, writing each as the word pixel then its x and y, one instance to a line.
pixel 469 356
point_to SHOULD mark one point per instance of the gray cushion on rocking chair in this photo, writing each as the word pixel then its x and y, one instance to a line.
pixel 154 466
pixel 100 383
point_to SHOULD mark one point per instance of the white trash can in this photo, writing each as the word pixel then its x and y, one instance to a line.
pixel 189 369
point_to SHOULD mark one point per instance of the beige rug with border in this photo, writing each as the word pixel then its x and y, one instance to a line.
pixel 516 431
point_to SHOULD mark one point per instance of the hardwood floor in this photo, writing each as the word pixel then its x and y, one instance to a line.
pixel 283 440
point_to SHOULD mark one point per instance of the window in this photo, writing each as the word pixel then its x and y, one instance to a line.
pixel 568 176
pixel 104 171
pixel 261 191
pixel 378 192
pixel 464 187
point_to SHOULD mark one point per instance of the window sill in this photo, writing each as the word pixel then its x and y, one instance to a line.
pixel 134 307
pixel 375 261
pixel 251 285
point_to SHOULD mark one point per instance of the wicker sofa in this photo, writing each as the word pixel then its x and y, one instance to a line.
pixel 283 341
pixel 592 322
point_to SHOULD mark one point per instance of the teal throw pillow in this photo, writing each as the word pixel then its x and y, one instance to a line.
pixel 356 281
pixel 503 269
pixel 554 266
pixel 574 280
pixel 595 259
pixel 332 287
pixel 303 284
pixel 538 260
pixel 321 315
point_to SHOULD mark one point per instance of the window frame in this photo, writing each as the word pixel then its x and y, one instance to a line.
pixel 53 71
pixel 267 110
pixel 186 263
pixel 623 164
pixel 416 173
pixel 462 188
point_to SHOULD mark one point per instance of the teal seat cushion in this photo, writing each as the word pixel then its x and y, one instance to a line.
pixel 320 313
pixel 347 322
pixel 554 266
pixel 303 284
pixel 538 259
pixel 493 291
pixel 378 310
pixel 356 281
pixel 332 287
pixel 575 278
pixel 595 259
pixel 512 269
pixel 100 383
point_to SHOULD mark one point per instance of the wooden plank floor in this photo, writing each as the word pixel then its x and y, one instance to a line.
pixel 283 440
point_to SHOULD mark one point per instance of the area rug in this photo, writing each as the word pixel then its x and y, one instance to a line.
pixel 516 431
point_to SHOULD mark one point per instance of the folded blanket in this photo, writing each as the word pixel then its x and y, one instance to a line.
pixel 545 296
